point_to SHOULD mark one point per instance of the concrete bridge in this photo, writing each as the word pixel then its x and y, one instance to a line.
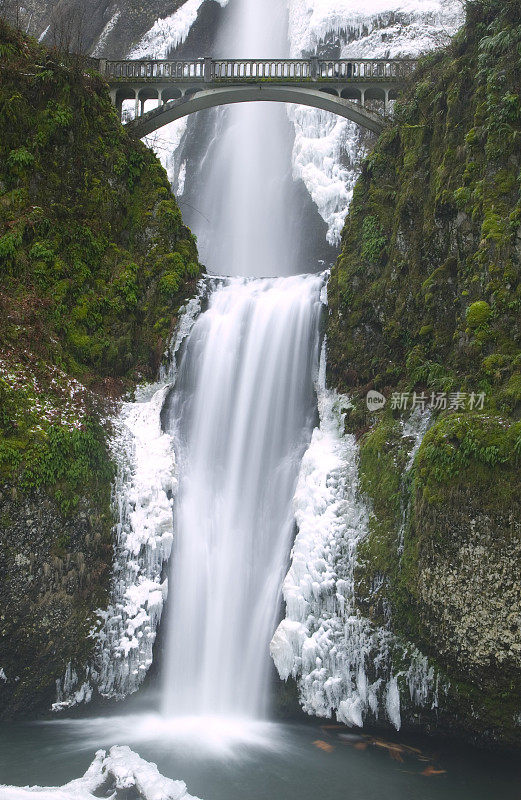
pixel 182 87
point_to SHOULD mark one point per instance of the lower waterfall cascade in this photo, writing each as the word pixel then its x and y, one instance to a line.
pixel 248 444
pixel 241 414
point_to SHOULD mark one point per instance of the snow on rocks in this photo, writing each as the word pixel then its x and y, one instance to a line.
pixel 312 20
pixel 169 32
pixel 46 395
pixel 121 770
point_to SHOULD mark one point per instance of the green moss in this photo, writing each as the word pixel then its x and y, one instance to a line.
pixel 383 457
pixel 468 447
pixel 512 392
pixel 95 262
pixel 373 243
pixel 434 163
pixel 478 314
pixel 425 296
pixel 91 226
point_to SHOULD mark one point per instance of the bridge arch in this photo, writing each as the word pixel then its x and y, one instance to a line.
pixel 200 99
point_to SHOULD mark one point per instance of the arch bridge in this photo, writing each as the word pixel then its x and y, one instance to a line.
pixel 342 86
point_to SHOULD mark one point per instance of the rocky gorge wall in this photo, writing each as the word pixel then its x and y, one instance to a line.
pixel 94 264
pixel 425 309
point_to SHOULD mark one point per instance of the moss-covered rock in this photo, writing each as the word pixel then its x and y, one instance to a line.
pixel 94 264
pixel 426 298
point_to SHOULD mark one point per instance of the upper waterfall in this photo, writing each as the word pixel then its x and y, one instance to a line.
pixel 241 414
pixel 249 195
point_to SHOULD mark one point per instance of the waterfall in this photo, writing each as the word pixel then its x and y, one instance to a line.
pixel 249 195
pixel 241 415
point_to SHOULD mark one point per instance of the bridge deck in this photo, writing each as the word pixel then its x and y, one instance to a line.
pixel 184 87
pixel 301 71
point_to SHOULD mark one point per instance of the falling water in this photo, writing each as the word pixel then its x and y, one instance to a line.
pixel 249 197
pixel 241 414
pixel 243 406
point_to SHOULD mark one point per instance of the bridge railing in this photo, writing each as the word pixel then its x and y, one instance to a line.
pixel 361 69
pixel 169 70
pixel 208 70
pixel 233 69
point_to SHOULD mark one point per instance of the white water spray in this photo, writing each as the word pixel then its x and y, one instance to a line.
pixel 241 414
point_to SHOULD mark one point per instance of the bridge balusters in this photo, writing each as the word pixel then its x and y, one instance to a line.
pixel 207 70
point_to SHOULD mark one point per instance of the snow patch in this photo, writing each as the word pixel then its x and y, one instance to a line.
pixel 109 27
pixel 165 144
pixel 120 771
pixel 181 179
pixel 170 32
pixel 44 34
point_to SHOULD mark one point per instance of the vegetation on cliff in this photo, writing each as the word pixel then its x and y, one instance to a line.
pixel 94 257
pixel 94 264
pixel 426 302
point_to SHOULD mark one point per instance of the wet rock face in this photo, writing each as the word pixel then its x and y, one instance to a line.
pixel 470 589
pixel 120 23
pixel 54 573
pixel 425 298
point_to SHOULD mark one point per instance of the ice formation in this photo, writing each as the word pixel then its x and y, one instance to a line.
pixel 169 32
pixel 327 149
pixel 69 691
pixel 145 488
pixel 121 772
pixel 343 663
pixel 143 494
pixel 415 428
